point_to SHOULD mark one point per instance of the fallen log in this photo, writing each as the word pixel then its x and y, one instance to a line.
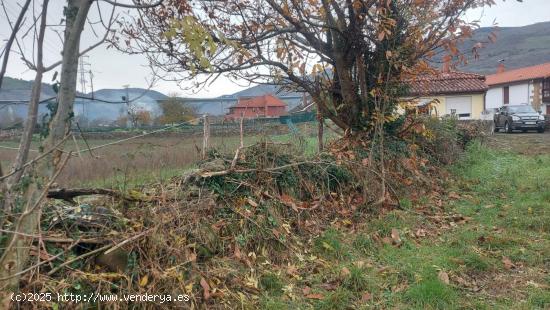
pixel 68 194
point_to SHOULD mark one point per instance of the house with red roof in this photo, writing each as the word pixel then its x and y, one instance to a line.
pixel 529 85
pixel 450 93
pixel 266 106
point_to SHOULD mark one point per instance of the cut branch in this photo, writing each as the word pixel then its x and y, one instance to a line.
pixel 68 194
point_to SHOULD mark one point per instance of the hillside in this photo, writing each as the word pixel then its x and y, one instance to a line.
pixel 116 94
pixel 518 46
pixel 259 90
pixel 17 89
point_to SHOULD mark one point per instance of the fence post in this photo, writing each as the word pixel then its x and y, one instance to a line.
pixel 241 131
pixel 320 130
pixel 206 135
pixel 77 148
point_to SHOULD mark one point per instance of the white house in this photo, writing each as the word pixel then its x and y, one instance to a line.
pixel 450 93
pixel 529 85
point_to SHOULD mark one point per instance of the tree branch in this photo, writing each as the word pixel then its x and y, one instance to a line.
pixel 12 37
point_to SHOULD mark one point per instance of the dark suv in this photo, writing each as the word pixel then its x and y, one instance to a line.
pixel 518 117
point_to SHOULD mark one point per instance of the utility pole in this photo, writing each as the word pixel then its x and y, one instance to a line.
pixel 84 68
pixel 82 64
pixel 126 99
pixel 91 83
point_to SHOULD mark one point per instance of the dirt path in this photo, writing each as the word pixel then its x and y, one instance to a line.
pixel 522 143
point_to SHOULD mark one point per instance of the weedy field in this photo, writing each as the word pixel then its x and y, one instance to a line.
pixel 485 245
pixel 281 227
pixel 148 159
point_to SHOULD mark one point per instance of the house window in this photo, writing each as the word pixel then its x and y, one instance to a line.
pixel 506 95
pixel 546 90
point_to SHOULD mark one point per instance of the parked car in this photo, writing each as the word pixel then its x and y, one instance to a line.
pixel 518 117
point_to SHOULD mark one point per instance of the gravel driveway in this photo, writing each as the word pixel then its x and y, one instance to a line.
pixel 530 143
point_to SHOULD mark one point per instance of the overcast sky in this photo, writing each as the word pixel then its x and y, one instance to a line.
pixel 113 70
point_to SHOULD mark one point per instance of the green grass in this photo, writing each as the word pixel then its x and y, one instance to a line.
pixel 356 280
pixel 506 196
pixel 330 245
pixel 539 299
pixel 272 284
pixel 431 294
pixel 121 181
pixel 339 299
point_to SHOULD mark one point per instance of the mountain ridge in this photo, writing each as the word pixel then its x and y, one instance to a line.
pixel 518 46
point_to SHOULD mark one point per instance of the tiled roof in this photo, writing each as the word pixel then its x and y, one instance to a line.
pixel 521 74
pixel 443 83
pixel 260 101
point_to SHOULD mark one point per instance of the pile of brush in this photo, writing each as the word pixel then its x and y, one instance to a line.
pixel 195 234
pixel 237 214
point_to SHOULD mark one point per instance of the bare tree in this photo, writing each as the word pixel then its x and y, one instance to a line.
pixel 32 113
pixel 48 165
pixel 11 39
pixel 38 66
pixel 16 252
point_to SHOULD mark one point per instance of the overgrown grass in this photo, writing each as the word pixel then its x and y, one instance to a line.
pixel 148 160
pixel 505 200
pixel 486 246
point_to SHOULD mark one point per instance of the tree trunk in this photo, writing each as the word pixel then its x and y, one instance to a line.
pixel 16 254
pixel 32 117
pixel 3 213
pixel 30 124
pixel 320 131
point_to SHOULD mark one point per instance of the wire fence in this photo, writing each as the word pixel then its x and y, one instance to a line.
pixel 121 159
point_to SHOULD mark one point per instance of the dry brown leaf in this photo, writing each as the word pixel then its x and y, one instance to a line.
pixel 344 272
pixel 206 288
pixel 443 276
pixel 43 255
pixel 366 297
pixel 507 263
pixel 306 290
pixel 191 256
pixel 237 252
pixel 395 236
pixel 289 202
pixel 291 270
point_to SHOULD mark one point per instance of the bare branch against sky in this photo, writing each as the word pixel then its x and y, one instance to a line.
pixel 113 69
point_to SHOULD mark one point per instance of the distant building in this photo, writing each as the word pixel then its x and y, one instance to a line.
pixel 451 93
pixel 266 106
pixel 529 85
